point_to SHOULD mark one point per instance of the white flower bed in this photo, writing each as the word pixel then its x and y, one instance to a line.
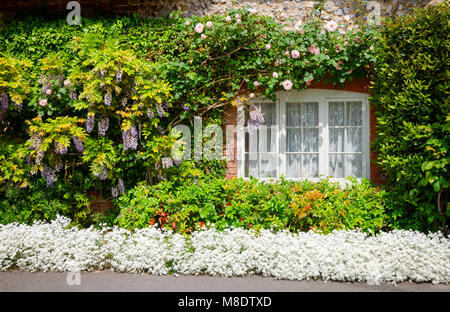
pixel 342 256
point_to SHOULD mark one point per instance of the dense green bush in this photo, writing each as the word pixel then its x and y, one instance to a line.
pixel 411 97
pixel 90 107
pixel 296 206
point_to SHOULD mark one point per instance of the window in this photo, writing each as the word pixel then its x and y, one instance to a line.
pixel 307 135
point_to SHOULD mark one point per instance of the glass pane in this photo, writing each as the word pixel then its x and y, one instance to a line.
pixel 310 166
pixel 336 114
pixel 293 114
pixel 353 165
pixel 310 142
pixel 267 139
pixel 269 164
pixel 293 140
pixel 269 113
pixel 293 168
pixel 336 139
pixel 252 141
pixel 251 167
pixel 336 165
pixel 354 140
pixel 311 114
pixel 354 113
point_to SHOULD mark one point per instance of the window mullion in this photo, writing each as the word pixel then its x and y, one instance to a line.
pixel 323 137
pixel 282 136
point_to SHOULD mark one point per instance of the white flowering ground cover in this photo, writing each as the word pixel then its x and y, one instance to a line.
pixel 341 256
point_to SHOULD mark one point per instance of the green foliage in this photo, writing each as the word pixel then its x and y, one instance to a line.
pixel 296 206
pixel 411 97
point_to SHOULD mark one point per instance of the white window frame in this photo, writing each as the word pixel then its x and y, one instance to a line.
pixel 323 97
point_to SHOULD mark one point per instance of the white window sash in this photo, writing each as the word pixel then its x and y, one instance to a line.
pixel 323 97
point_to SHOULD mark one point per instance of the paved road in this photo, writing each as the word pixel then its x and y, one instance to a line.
pixel 105 281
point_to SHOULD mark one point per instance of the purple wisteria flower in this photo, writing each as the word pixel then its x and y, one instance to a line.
pixel 73 95
pixel 90 122
pixel 108 99
pixel 167 162
pixel 124 101
pixel 130 140
pixel 119 76
pixel 78 144
pixel 160 110
pixel 103 125
pixel 256 117
pixel 99 171
pixel 4 101
pixel 49 174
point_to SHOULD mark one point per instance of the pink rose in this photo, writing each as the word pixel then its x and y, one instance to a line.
pixel 314 50
pixel 301 31
pixel 286 53
pixel 350 71
pixel 287 85
pixel 331 26
pixel 199 28
pixel 228 19
pixel 268 46
pixel 295 54
pixel 275 75
pixel 236 16
pixel 209 24
pixel 203 36
pixel 43 102
pixel 371 48
pixel 346 43
pixel 188 23
pixel 256 83
pixel 338 65
pixel 48 91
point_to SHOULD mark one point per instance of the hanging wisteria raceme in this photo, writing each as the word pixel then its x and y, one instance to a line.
pixel 103 125
pixel 19 105
pixel 4 101
pixel 150 114
pixel 119 76
pixel 124 101
pixel 78 144
pixel 99 171
pixel 160 110
pixel 108 98
pixel 60 148
pixel 90 122
pixel 73 95
pixel 167 162
pixel 59 165
pixel 256 117
pixel 49 174
pixel 130 140
pixel 119 189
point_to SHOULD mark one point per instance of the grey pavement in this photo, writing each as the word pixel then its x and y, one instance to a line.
pixel 105 281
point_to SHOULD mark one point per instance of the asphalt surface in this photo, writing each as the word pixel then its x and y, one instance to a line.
pixel 106 281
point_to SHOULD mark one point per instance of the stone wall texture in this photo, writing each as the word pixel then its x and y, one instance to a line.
pixel 342 11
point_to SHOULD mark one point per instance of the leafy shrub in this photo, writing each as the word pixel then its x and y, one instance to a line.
pixel 296 206
pixel 411 97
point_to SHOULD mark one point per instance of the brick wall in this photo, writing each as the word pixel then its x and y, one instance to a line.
pixel 376 176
